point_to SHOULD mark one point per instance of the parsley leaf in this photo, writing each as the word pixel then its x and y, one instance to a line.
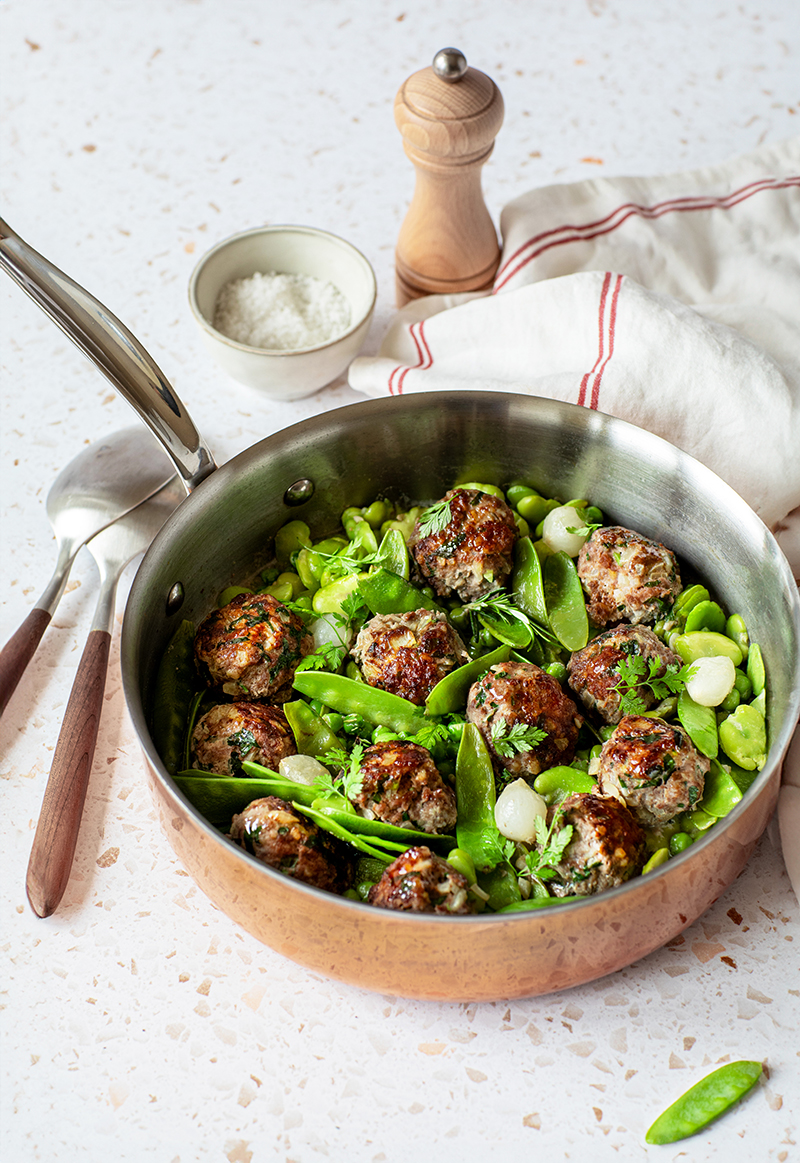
pixel 583 530
pixel 431 734
pixel 520 737
pixel 499 606
pixel 349 781
pixel 550 846
pixel 636 675
pixel 328 656
pixel 435 518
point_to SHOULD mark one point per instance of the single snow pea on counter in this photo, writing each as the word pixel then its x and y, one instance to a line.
pixel 704 1102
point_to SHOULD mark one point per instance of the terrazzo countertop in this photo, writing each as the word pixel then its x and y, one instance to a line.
pixel 139 1022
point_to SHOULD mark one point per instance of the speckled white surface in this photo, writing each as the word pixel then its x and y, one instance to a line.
pixel 139 1022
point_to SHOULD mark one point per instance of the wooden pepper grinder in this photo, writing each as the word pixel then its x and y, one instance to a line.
pixel 449 115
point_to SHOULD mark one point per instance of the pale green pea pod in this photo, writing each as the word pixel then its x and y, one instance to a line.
pixel 755 669
pixel 743 737
pixel 736 628
pixel 291 538
pixel 659 857
pixel 556 783
pixel 700 724
pixel 720 794
pixel 704 644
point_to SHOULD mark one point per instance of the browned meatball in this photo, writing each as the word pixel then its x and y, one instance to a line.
pixel 594 676
pixel 654 767
pixel 408 654
pixel 519 695
pixel 420 882
pixel 401 785
pixel 251 647
pixel 274 832
pixel 607 846
pixel 232 732
pixel 473 553
pixel 626 576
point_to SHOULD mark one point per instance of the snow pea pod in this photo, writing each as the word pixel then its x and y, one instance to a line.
pixel 704 1102
pixel 218 797
pixel 721 793
pixel 312 734
pixel 699 723
pixel 175 686
pixel 328 824
pixel 501 886
pixel 476 830
pixel 755 669
pixel 659 857
pixel 566 607
pixel 386 592
pixel 450 692
pixel 394 554
pixel 402 838
pixel 539 902
pixel 526 581
pixel 349 697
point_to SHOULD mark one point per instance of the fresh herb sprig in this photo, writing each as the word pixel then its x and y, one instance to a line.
pixel 349 780
pixel 550 845
pixel 519 737
pixel 499 606
pixel 636 674
pixel 435 518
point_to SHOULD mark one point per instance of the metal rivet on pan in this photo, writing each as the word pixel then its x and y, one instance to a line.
pixel 175 598
pixel 300 492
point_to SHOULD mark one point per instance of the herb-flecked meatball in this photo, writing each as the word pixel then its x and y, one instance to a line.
pixel 408 654
pixel 274 832
pixel 627 577
pixel 469 548
pixel 509 704
pixel 420 882
pixel 654 767
pixel 232 732
pixel 401 785
pixel 594 675
pixel 251 647
pixel 607 846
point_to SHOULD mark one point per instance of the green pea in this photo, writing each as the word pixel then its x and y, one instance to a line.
pixel 557 670
pixel 705 644
pixel 736 628
pixel 743 737
pixel 659 857
pixel 704 1102
pixel 462 862
pixel 556 783
pixel 755 669
pixel 679 842
pixel 291 537
pixel 743 685
pixel 705 616
pixel 720 793
pixel 688 599
pixel 700 724
pixel 731 701
pixel 231 592
pixel 566 606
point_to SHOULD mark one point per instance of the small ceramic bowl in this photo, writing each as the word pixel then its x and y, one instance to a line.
pixel 282 374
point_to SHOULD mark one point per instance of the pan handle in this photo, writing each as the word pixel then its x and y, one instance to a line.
pixel 115 351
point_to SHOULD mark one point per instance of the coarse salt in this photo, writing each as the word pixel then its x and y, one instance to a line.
pixel 282 312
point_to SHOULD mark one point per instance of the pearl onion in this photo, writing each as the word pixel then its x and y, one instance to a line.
pixel 554 530
pixel 711 680
pixel 301 768
pixel 517 807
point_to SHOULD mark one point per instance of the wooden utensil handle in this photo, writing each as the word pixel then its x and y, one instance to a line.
pixel 19 650
pixel 62 807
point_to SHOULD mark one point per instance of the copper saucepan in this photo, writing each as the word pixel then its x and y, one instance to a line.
pixel 418 446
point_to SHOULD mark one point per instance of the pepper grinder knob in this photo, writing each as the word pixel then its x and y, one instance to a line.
pixel 448 115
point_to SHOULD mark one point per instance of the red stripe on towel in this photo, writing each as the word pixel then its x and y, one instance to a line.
pixel 601 315
pixel 612 326
pixel 574 233
pixel 424 359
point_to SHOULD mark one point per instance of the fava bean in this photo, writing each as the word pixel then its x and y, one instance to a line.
pixel 556 783
pixel 289 539
pixel 376 513
pixel 696 822
pixel 229 593
pixel 566 606
pixel 736 628
pixel 461 860
pixel 659 857
pixel 688 599
pixel 704 1102
pixel 706 615
pixel 516 491
pixel 493 490
pixel 755 669
pixel 720 793
pixel 705 644
pixel 328 598
pixel 743 737
pixel 535 508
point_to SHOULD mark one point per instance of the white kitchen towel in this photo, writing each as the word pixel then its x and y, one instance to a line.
pixel 672 302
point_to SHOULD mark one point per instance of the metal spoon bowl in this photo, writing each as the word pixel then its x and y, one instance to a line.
pixel 101 484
